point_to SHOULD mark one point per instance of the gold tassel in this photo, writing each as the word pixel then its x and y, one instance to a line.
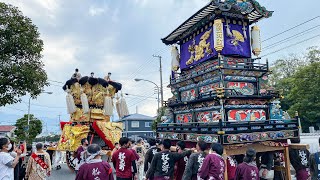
pixel 108 105
pixel 84 102
pixel 70 103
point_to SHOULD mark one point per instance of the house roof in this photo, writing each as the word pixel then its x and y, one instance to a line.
pixel 6 128
pixel 137 117
pixel 256 13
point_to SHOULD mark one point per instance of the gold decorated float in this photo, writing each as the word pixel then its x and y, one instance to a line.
pixel 91 102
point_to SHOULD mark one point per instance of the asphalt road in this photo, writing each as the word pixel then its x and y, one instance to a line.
pixel 63 174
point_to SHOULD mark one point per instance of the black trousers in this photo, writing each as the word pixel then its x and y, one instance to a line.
pixel 50 152
pixel 119 178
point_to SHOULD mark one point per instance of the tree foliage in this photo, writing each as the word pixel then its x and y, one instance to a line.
pixel 21 69
pixel 54 138
pixel 22 130
pixel 161 112
pixel 304 95
pixel 299 78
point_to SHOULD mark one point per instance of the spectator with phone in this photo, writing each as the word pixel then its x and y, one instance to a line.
pixel 7 162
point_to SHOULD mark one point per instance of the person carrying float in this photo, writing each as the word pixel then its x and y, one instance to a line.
pixel 150 153
pixel 182 163
pixel 94 168
pixel 195 162
pixel 162 165
pixel 80 153
pixel 124 160
pixel 213 165
pixel 248 169
pixel 299 158
pixel 315 165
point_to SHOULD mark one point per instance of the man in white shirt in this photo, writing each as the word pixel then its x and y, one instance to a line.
pixel 7 162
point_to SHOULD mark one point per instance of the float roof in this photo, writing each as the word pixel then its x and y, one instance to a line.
pixel 256 12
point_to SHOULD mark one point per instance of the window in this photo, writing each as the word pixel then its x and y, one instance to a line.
pixel 147 124
pixel 135 124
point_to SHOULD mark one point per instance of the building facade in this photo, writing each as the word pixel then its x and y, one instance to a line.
pixel 137 125
pixel 7 131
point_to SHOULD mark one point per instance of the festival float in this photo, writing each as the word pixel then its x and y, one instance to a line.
pixel 91 102
pixel 220 84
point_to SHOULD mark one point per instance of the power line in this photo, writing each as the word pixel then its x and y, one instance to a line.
pixel 291 45
pixel 15 109
pixel 55 85
pixel 143 66
pixel 56 81
pixel 132 101
pixel 138 102
pixel 134 74
pixel 291 28
pixel 139 96
pixel 291 37
pixel 41 105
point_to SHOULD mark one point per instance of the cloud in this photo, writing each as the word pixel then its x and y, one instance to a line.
pixel 95 11
pixel 119 37
pixel 115 15
pixel 43 10
pixel 141 3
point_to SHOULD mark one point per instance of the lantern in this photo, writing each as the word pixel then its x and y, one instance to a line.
pixel 218 35
pixel 255 40
pixel 175 62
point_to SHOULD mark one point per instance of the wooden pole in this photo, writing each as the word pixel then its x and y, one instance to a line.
pixel 287 163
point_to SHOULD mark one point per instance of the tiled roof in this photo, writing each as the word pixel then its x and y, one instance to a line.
pixel 6 128
pixel 137 117
pixel 208 13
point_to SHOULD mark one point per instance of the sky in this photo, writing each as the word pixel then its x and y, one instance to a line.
pixel 121 36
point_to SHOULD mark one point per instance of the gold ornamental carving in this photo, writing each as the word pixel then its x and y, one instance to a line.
pixel 198 51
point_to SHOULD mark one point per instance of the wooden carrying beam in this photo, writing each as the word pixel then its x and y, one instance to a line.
pixel 299 146
pixel 241 149
pixel 287 163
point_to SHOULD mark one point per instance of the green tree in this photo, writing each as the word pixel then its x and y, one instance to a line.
pixel 305 94
pixel 313 54
pixel 298 77
pixel 21 70
pixel 23 132
pixel 161 112
pixel 281 77
pixel 53 138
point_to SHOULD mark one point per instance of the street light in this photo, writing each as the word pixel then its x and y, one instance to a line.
pixel 155 85
pixel 28 124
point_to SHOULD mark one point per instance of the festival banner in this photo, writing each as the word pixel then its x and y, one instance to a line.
pixel 237 43
pixel 201 47
pixel 198 49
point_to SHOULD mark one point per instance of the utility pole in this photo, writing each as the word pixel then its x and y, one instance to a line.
pixel 59 125
pixel 161 85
